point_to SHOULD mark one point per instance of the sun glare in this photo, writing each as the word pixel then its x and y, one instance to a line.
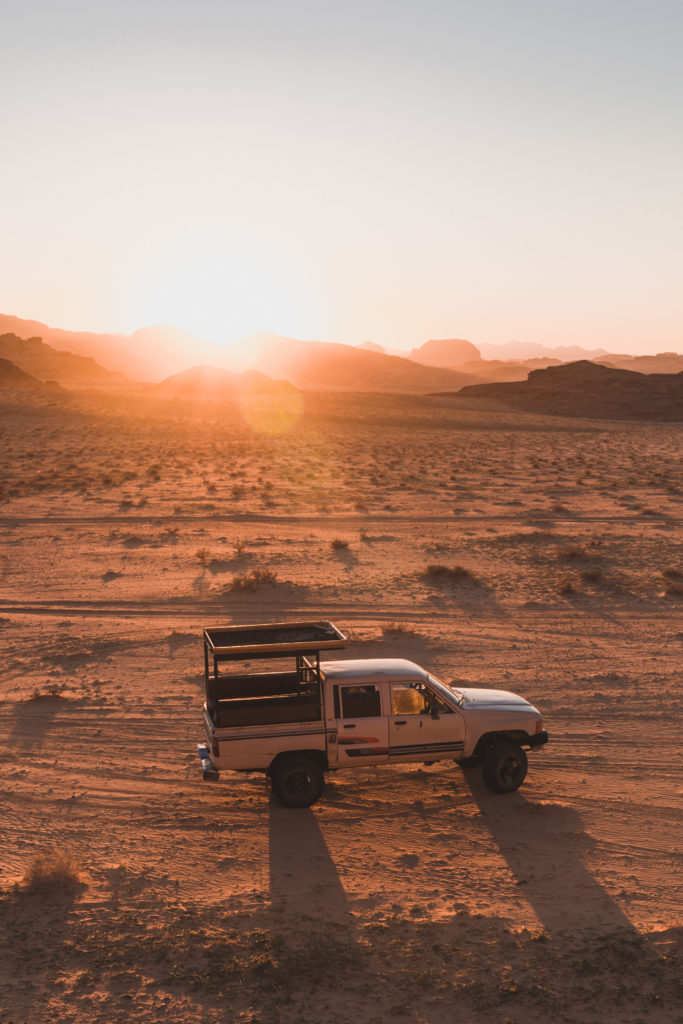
pixel 220 294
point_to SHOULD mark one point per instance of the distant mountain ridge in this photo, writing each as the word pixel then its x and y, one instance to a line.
pixel 521 350
pixel 328 366
pixel 589 390
pixel 155 353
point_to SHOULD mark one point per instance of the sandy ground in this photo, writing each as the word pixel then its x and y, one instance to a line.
pixel 406 892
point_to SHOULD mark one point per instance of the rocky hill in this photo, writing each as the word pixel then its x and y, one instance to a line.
pixel 448 352
pixel 42 361
pixel 590 390
pixel 13 377
pixel 209 383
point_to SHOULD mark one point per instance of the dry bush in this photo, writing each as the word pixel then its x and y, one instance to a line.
pixel 397 627
pixel 567 587
pixel 591 575
pixel 253 579
pixel 673 590
pixel 672 574
pixel 203 556
pixel 439 575
pixel 132 540
pixel 338 544
pixel 571 553
pixel 52 871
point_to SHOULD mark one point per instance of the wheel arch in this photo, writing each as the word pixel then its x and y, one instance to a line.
pixel 319 756
pixel 488 740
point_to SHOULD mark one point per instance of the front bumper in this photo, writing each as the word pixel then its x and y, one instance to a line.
pixel 537 740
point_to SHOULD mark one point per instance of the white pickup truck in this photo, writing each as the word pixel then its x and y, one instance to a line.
pixel 319 716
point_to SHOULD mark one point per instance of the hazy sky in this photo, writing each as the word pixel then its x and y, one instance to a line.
pixel 393 171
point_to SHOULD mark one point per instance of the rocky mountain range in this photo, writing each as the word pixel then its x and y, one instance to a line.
pixel 120 362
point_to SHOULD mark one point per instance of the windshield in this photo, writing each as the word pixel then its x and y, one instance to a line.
pixel 445 691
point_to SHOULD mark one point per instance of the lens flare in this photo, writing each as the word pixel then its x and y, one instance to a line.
pixel 272 414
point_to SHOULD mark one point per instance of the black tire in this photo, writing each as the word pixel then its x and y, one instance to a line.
pixel 505 766
pixel 297 781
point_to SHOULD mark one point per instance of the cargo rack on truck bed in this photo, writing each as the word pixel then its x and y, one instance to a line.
pixel 227 694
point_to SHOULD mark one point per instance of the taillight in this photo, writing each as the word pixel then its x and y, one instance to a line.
pixel 539 725
pixel 214 748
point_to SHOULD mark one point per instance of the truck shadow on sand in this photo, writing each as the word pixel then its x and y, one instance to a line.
pixel 545 846
pixel 33 925
pixel 303 875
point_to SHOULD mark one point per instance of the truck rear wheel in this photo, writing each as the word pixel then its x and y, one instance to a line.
pixel 505 766
pixel 297 781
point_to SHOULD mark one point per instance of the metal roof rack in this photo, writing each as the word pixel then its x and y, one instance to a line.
pixel 261 640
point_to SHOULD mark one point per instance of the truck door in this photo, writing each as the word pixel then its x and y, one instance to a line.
pixel 362 729
pixel 421 725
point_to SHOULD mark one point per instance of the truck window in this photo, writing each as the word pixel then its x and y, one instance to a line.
pixel 360 702
pixel 415 699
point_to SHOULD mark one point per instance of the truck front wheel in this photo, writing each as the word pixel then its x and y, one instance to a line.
pixel 297 781
pixel 504 768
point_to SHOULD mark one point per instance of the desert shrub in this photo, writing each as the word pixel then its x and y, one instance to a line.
pixel 673 590
pixel 338 544
pixel 52 871
pixel 132 540
pixel 591 576
pixel 253 579
pixel 571 553
pixel 203 556
pixel 672 574
pixel 439 575
pixel 396 627
pixel 567 587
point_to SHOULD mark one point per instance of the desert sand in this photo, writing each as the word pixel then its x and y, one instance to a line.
pixel 412 893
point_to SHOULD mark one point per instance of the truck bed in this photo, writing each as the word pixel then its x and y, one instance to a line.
pixel 275 710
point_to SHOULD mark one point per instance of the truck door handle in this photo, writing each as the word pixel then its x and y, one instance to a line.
pixel 349 727
pixel 402 722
